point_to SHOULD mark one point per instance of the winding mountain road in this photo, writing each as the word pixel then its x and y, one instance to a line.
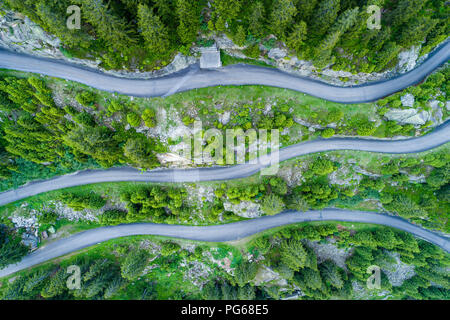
pixel 232 75
pixel 193 78
pixel 232 231
pixel 437 137
pixel 217 233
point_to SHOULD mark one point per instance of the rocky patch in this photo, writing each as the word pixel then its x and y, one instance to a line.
pixel 245 209
pixel 408 116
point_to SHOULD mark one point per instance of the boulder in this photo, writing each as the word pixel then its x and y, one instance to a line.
pixel 407 59
pixel 400 114
pixel 277 53
pixel 245 209
pixel 180 62
pixel 225 117
pixel 407 116
pixel 172 158
pixel 30 240
pixel 226 43
pixel 407 100
pixel 419 119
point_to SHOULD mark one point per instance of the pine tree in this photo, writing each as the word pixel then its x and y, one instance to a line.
pixel 228 291
pixel 344 22
pixel 11 248
pixel 131 5
pixel 98 142
pixel 415 31
pixel 188 16
pixel 166 10
pixel 153 31
pixel 5 103
pixel 330 274
pixel 297 37
pixel 139 153
pixel 272 204
pixel 312 277
pixel 240 36
pixel 113 30
pixel 404 10
pixel 324 17
pixel 36 281
pixel 305 8
pixel 27 7
pixel 293 254
pixel 257 20
pixel 211 291
pixel 387 54
pixel 245 272
pixel 113 288
pixel 246 292
pixel 57 284
pixel 226 12
pixel 134 264
pixel 358 36
pixel 54 18
pixel 282 16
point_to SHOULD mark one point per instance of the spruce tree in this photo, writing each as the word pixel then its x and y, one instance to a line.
pixel 188 16
pixel 153 31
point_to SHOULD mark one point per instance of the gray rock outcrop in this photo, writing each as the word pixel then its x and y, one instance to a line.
pixel 19 33
pixel 408 116
pixel 277 53
pixel 407 100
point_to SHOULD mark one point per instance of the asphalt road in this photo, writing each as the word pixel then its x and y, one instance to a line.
pixel 437 137
pixel 217 233
pixel 193 77
pixel 233 75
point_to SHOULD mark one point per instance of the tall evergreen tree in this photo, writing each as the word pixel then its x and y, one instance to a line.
pixel 139 153
pixel 415 30
pixel 113 30
pixel 245 272
pixel 344 22
pixel 256 20
pixel 54 18
pixel 404 10
pixel 225 12
pixel 166 10
pixel 282 15
pixel 297 37
pixel 153 31
pixel 188 16
pixel 293 254
pixel 330 274
pixel 11 248
pixel 324 17
pixel 134 264
pixel 305 8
